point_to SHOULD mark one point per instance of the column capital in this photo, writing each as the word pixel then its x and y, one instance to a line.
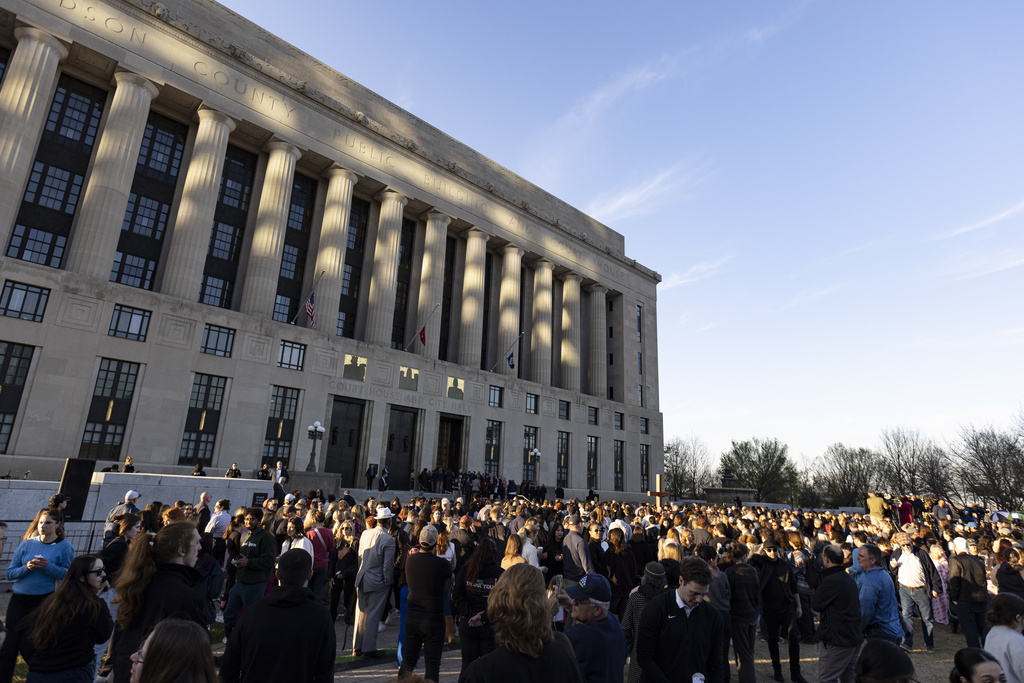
pixel 435 215
pixel 207 114
pixel 392 195
pixel 336 171
pixel 572 277
pixel 276 145
pixel 48 39
pixel 476 232
pixel 598 288
pixel 132 78
pixel 543 264
pixel 513 250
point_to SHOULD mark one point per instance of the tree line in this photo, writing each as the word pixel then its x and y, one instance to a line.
pixel 980 465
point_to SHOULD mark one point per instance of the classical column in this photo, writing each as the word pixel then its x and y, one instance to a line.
pixel 472 328
pixel 384 280
pixel 98 224
pixel 330 255
pixel 24 101
pixel 264 267
pixel 542 321
pixel 508 305
pixel 432 282
pixel 571 331
pixel 190 238
pixel 598 341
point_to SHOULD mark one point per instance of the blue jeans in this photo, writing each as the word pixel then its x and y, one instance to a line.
pixel 241 596
pixel 909 597
pixel 316 584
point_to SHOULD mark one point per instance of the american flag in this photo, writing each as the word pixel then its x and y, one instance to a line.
pixel 311 310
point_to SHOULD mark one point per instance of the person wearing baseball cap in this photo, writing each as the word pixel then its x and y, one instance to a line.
pixel 429 580
pixel 125 507
pixel 576 561
pixel 597 638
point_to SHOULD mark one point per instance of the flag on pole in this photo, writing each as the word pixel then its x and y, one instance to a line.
pixel 311 310
pixel 423 335
pixel 511 360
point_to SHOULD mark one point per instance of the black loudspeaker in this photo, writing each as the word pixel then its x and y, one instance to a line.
pixel 75 482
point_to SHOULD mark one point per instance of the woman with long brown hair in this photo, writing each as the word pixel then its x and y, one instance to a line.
pixel 177 651
pixel 37 563
pixel 158 580
pixel 513 551
pixel 68 625
pixel 472 585
pixel 527 648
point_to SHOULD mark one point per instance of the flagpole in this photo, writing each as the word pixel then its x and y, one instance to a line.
pixel 416 333
pixel 301 308
pixel 505 355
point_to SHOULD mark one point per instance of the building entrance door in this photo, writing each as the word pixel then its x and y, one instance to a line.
pixel 449 443
pixel 344 440
pixel 400 448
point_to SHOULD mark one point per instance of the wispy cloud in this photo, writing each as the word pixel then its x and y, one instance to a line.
pixel 991 220
pixel 758 34
pixel 982 264
pixel 595 103
pixel 672 183
pixel 695 273
pixel 810 295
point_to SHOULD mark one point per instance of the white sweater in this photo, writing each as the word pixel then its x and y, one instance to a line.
pixel 1007 645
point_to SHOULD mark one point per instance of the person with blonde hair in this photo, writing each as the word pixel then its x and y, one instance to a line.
pixel 527 648
pixel 513 551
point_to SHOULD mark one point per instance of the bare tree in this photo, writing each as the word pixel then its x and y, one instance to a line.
pixel 992 465
pixel 903 456
pixel 843 476
pixel 764 465
pixel 688 467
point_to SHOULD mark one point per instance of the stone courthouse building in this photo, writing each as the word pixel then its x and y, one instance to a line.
pixel 179 187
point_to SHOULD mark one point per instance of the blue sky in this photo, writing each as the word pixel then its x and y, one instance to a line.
pixel 831 191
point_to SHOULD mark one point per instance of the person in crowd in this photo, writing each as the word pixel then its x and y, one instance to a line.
pixel 322 541
pixel 513 551
pixel 198 470
pixel 125 507
pixel 218 526
pixel 527 648
pixel 621 570
pixel 373 582
pixel 1005 640
pixel 346 564
pixel 680 635
pixel 1010 573
pixel 597 638
pixel 296 537
pixel 37 563
pixel 288 636
pixel 66 628
pixel 781 605
pixel 472 586
pixel 177 651
pixel 918 583
pixel 652 583
pixel 234 472
pixel 940 603
pixel 968 592
pixel 974 665
pixel 879 607
pixel 837 602
pixel 576 560
pixel 883 662
pixel 744 609
pixel 429 580
pixel 129 466
pixel 157 580
pixel 254 565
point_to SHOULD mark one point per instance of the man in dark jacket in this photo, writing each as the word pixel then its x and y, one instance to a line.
pixel 429 579
pixel 681 635
pixel 288 636
pixel 576 561
pixel 597 637
pixel 254 565
pixel 837 603
pixel 968 591
pixel 919 582
pixel 744 610
pixel 781 607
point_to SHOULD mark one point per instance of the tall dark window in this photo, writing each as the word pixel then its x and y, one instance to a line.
pixel 592 451
pixel 5 58
pixel 229 220
pixel 451 245
pixel 645 467
pixel 55 183
pixel 404 278
pixel 296 247
pixel 202 421
pixel 109 410
pixel 277 444
pixel 529 459
pixel 15 360
pixel 620 464
pixel 348 306
pixel 149 204
pixel 562 459
pixel 492 447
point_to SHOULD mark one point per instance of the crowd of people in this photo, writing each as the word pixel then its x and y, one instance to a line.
pixel 534 588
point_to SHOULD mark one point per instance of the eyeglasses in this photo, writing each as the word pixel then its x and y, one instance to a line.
pixel 97 571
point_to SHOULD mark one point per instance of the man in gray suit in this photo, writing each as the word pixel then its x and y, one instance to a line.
pixel 373 581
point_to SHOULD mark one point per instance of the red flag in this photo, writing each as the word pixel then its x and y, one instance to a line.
pixel 423 335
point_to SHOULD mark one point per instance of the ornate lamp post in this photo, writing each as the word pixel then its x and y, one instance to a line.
pixel 534 463
pixel 316 433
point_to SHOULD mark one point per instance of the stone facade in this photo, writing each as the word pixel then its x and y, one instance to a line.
pixel 175 181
